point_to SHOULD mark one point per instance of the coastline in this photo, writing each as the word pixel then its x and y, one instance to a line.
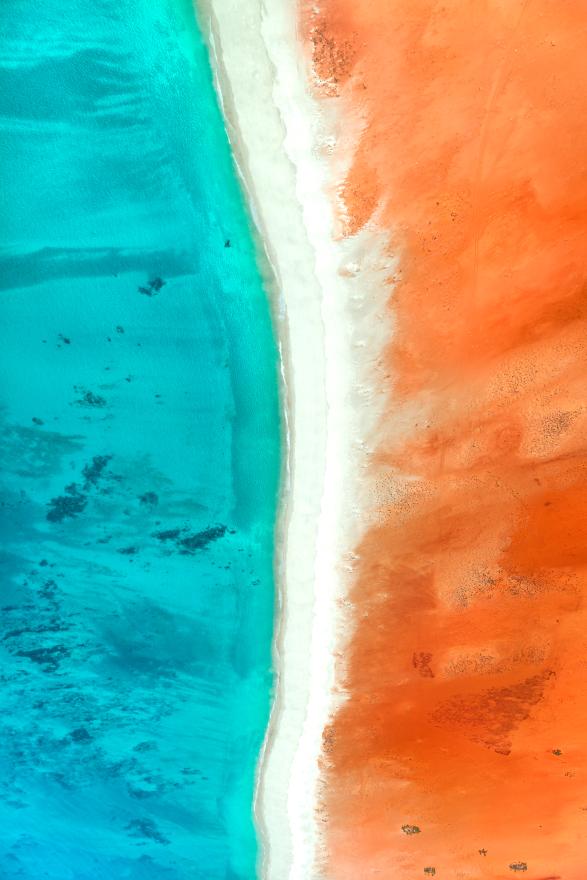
pixel 244 80
pixel 323 324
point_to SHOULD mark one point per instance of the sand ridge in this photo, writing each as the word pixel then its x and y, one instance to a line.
pixel 324 324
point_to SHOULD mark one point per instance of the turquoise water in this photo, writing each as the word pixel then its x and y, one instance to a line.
pixel 139 454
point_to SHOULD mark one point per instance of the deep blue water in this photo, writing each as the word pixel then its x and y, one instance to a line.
pixel 140 449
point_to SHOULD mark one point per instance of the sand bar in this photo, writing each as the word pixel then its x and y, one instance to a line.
pixel 245 79
pixel 320 315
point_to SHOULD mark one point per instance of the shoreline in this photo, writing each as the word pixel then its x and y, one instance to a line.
pixel 234 37
pixel 324 329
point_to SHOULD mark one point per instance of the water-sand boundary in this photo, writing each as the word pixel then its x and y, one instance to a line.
pixel 320 314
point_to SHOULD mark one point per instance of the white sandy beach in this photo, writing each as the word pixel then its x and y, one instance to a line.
pixel 329 337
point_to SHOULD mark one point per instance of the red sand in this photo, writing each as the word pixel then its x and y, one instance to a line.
pixel 462 750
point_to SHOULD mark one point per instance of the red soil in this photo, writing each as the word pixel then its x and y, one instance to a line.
pixel 462 749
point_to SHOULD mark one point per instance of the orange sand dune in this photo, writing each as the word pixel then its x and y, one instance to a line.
pixel 462 749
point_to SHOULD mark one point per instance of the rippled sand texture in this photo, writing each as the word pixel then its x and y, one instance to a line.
pixel 461 751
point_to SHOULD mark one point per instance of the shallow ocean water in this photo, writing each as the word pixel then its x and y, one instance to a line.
pixel 140 454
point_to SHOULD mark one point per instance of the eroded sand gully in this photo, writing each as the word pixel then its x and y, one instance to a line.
pixel 461 750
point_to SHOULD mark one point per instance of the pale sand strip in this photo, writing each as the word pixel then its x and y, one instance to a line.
pixel 246 83
pixel 274 129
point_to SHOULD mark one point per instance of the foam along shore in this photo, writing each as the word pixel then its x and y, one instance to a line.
pixel 320 317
